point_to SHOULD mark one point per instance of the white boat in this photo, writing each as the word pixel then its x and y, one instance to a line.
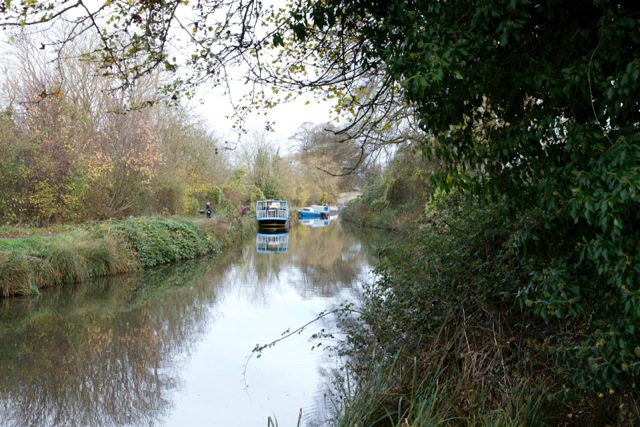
pixel 272 213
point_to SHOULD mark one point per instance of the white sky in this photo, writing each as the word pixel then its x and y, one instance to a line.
pixel 214 107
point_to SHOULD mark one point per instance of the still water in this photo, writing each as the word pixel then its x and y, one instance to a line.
pixel 173 346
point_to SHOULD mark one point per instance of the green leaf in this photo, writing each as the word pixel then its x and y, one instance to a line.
pixel 300 31
pixel 277 40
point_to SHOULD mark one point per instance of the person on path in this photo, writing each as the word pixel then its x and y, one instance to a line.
pixel 208 210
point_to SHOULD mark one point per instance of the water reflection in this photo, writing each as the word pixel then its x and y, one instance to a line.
pixel 103 354
pixel 167 347
pixel 315 222
pixel 272 242
pixel 318 222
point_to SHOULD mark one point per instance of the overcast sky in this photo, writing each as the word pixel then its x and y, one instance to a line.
pixel 214 106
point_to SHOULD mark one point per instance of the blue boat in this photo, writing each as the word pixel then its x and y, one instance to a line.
pixel 313 211
pixel 308 213
pixel 272 214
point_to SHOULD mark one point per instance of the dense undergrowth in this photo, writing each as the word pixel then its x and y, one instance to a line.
pixel 394 198
pixel 30 263
pixel 446 335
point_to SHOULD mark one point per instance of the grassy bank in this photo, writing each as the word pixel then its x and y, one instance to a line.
pixel 32 261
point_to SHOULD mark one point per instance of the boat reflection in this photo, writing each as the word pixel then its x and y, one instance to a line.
pixel 314 223
pixel 272 242
pixel 317 222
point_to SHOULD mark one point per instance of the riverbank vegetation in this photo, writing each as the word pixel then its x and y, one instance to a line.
pixel 84 154
pixel 105 248
pixel 393 198
pixel 449 334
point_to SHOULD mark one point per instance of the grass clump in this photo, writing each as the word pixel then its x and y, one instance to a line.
pixel 18 273
pixel 29 264
pixel 462 375
pixel 79 256
pixel 433 399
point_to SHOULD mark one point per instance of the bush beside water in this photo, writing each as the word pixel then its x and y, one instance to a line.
pixel 445 337
pixel 104 248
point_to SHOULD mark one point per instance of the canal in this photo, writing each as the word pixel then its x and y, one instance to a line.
pixel 173 346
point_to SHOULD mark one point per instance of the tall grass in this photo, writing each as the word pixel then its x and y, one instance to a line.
pixel 20 273
pixel 30 264
pixel 106 248
pixel 80 256
pixel 397 392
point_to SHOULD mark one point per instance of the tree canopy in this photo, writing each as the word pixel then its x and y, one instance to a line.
pixel 534 104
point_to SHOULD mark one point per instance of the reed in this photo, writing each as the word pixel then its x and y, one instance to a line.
pixel 461 376
pixel 436 398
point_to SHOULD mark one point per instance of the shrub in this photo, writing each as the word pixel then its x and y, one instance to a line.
pixel 157 240
pixel 168 197
pixel 456 276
